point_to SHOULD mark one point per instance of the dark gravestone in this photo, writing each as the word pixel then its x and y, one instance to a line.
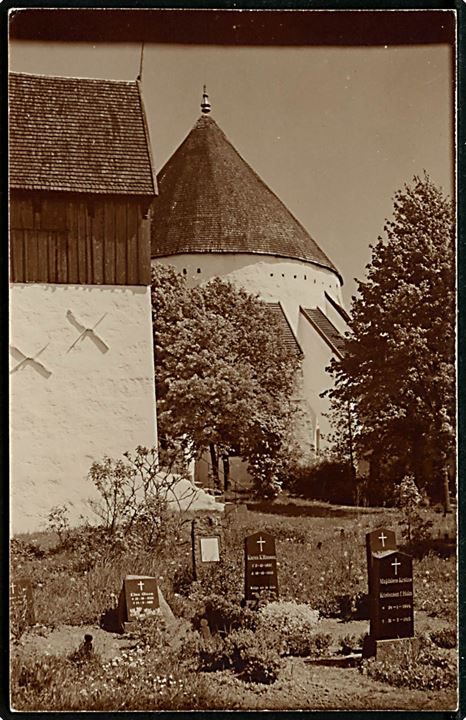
pixel 392 613
pixel 378 540
pixel 139 597
pixel 22 602
pixel 260 565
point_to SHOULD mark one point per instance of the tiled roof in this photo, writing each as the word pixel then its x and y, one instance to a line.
pixel 340 310
pixel 78 135
pixel 289 338
pixel 210 200
pixel 325 328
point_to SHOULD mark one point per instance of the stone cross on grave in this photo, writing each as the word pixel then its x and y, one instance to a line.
pixel 395 565
pixel 382 539
pixel 261 543
pixel 141 585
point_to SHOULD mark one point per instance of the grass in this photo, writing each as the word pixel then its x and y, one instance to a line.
pixel 321 562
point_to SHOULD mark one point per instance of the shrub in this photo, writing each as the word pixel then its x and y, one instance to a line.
pixel 330 480
pixel 445 638
pixel 225 615
pixel 59 523
pixel 351 643
pixel 254 660
pixel 432 668
pixel 291 628
pixel 135 494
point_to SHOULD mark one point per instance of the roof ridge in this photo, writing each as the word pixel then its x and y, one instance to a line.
pixel 41 76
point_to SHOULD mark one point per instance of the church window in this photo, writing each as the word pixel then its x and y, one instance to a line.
pixel 305 277
pixel 198 270
pixel 283 274
pixel 184 271
pixel 295 276
pixel 271 274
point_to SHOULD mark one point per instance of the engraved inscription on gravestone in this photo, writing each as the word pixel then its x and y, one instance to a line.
pixel 139 594
pixel 22 600
pixel 260 565
pixel 392 613
pixel 378 540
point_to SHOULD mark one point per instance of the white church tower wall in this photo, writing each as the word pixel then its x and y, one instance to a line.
pixel 216 218
pixel 81 340
pixel 79 397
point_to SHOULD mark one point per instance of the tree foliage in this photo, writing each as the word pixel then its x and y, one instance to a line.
pixel 224 378
pixel 398 375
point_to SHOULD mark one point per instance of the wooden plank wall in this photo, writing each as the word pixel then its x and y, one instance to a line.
pixel 75 240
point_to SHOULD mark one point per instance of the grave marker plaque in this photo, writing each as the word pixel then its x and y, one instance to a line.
pixel 378 540
pixel 260 565
pixel 207 538
pixel 392 614
pixel 139 595
pixel 22 600
pixel 209 549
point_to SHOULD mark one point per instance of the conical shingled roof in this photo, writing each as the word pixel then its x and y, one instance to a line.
pixel 210 200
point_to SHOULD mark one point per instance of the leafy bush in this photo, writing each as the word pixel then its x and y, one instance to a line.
pixel 251 655
pixel 59 523
pixel 432 668
pixel 330 480
pixel 445 638
pixel 291 628
pixel 351 643
pixel 224 615
pixel 135 495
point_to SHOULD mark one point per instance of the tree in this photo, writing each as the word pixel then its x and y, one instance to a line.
pixel 224 378
pixel 398 373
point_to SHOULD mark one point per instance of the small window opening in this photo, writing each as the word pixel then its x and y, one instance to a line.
pixel 198 270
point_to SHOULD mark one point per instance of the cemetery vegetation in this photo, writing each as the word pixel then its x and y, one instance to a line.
pixel 224 377
pixel 393 401
pixel 77 574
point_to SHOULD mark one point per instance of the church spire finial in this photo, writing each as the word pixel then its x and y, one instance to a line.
pixel 205 104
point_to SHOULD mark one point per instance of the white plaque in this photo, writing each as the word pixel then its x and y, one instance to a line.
pixel 209 550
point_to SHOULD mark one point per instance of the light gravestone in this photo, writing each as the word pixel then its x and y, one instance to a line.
pixel 207 540
pixel 260 565
pixel 392 613
pixel 22 601
pixel 139 596
pixel 378 540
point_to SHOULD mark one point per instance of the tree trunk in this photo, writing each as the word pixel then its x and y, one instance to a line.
pixel 446 491
pixel 226 472
pixel 214 461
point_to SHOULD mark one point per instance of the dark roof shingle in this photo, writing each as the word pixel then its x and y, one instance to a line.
pixel 325 328
pixel 78 135
pixel 289 338
pixel 210 200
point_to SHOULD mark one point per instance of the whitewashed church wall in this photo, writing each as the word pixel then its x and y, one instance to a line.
pixel 80 395
pixel 293 282
pixel 317 356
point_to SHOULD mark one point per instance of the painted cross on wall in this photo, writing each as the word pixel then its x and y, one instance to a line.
pixel 87 332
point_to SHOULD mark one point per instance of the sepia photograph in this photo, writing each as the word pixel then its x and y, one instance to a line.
pixel 232 364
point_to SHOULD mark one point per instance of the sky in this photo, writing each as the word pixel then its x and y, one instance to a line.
pixel 333 131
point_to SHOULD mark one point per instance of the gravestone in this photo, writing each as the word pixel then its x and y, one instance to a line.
pixel 139 596
pixel 22 601
pixel 260 565
pixel 378 540
pixel 392 613
pixel 207 540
